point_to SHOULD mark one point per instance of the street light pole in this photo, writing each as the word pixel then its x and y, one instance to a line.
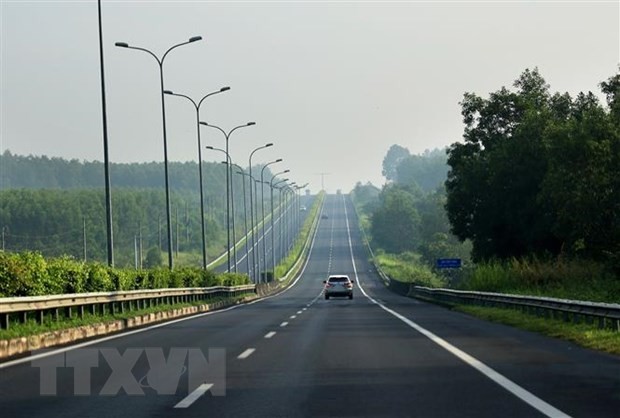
pixel 245 216
pixel 106 156
pixel 262 204
pixel 252 210
pixel 160 62
pixel 273 248
pixel 228 175
pixel 202 202
pixel 228 163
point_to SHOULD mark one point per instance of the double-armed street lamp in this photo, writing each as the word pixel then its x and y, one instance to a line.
pixel 202 204
pixel 160 62
pixel 254 258
pixel 228 178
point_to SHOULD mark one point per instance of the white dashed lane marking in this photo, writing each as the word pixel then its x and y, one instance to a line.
pixel 247 353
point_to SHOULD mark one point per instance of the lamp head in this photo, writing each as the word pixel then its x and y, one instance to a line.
pixel 195 38
pixel 122 44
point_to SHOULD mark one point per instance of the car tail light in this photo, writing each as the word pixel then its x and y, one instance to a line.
pixel 329 285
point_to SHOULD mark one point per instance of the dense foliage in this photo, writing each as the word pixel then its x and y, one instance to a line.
pixel 30 274
pixel 538 173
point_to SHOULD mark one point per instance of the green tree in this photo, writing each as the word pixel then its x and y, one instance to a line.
pixel 153 258
pixel 395 222
pixel 392 159
pixel 537 173
pixel 581 186
pixel 427 170
pixel 495 175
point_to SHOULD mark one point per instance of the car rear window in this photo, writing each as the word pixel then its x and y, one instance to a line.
pixel 338 279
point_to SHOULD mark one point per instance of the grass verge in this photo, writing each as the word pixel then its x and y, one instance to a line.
pixel 585 335
pixel 407 268
pixel 564 279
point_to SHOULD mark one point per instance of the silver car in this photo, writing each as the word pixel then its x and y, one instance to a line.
pixel 338 285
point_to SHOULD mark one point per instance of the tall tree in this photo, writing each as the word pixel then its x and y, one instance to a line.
pixel 395 222
pixel 496 173
pixel 392 159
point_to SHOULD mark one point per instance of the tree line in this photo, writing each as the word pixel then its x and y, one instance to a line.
pixel 57 207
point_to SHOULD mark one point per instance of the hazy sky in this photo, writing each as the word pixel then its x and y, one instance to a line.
pixel 332 84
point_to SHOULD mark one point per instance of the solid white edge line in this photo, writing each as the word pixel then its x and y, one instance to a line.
pixel 53 352
pixel 247 353
pixel 498 378
pixel 192 397
pixel 270 334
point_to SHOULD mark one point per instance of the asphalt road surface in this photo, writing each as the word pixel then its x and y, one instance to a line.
pixel 297 354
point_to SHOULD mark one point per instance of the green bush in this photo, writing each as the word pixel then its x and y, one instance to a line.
pixel 98 278
pixel 65 275
pixel 153 258
pixel 122 279
pixel 29 274
pixel 23 274
pixel 231 279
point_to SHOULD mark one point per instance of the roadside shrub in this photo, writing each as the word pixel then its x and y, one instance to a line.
pixel 29 274
pixel 65 275
pixel 98 278
pixel 122 279
pixel 231 279
pixel 22 274
pixel 157 278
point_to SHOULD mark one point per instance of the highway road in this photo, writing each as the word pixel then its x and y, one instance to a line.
pixel 297 354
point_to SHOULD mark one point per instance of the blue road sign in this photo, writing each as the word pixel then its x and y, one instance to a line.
pixel 448 263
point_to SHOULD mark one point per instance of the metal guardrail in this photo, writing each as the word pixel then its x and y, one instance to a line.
pixel 21 308
pixel 607 315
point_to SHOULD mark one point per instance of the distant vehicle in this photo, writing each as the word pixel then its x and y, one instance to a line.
pixel 338 191
pixel 324 216
pixel 302 209
pixel 339 285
